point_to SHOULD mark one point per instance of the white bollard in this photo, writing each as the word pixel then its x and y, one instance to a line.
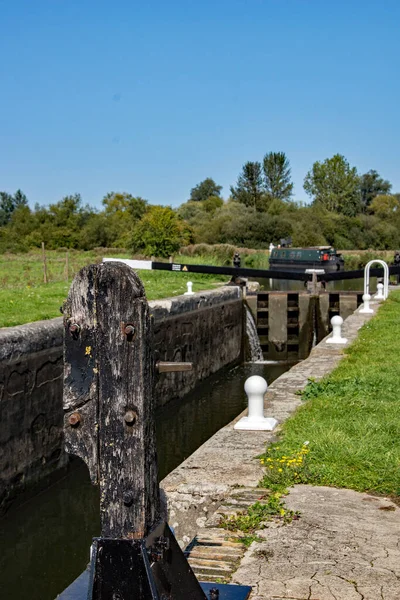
pixel 255 388
pixel 366 308
pixel 379 295
pixel 189 292
pixel 336 338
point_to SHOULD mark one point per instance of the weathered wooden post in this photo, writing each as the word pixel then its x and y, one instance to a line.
pixel 109 423
pixel 109 372
pixel 108 399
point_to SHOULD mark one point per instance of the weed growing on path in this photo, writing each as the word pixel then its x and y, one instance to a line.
pixel 258 515
pixel 284 470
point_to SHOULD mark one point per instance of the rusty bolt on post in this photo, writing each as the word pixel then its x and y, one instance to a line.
pixel 74 419
pixel 74 329
pixel 163 543
pixel 129 330
pixel 130 417
pixel 127 498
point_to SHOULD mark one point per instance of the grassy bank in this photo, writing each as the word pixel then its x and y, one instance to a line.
pixel 25 298
pixel 346 433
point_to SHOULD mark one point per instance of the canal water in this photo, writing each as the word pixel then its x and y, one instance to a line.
pixel 44 543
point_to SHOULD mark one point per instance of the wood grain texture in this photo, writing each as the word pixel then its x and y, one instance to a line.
pixel 107 384
pixel 80 393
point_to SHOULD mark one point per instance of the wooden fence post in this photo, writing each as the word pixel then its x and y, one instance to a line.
pixel 66 268
pixel 108 395
pixel 45 278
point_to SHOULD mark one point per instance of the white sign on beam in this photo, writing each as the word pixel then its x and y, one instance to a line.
pixel 134 264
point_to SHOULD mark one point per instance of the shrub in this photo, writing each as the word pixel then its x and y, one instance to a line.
pixel 222 253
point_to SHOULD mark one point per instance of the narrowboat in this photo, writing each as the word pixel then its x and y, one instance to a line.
pixel 299 259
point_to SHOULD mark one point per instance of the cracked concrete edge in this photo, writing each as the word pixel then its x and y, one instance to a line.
pixel 227 460
pixel 345 546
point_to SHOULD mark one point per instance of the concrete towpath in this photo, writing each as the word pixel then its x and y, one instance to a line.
pixel 345 546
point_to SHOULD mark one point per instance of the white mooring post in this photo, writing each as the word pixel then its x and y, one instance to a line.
pixel 336 338
pixel 255 388
pixel 189 292
pixel 366 308
pixel 380 294
pixel 385 277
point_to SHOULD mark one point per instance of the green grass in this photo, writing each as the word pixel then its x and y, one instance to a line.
pixel 24 305
pixel 257 516
pixel 25 298
pixel 351 419
pixel 247 540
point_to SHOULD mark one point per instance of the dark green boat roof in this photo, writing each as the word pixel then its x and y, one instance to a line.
pixel 313 252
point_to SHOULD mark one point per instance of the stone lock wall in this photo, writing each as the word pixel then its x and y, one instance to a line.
pixel 31 417
pixel 205 329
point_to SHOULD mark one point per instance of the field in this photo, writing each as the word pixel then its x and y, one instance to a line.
pixel 24 297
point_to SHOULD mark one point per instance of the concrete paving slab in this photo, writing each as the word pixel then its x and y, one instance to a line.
pixel 345 545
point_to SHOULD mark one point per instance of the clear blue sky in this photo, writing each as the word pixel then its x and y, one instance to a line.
pixel 152 97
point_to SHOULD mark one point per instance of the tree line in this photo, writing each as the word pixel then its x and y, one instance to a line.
pixel 347 210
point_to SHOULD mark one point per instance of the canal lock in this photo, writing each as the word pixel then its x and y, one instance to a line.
pixel 289 324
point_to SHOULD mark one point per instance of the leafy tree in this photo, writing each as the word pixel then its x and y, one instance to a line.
pixel 96 233
pixel 137 207
pixel 249 186
pixel 9 203
pixel 190 211
pixel 212 203
pixel 160 232
pixel 22 221
pixel 20 199
pixel 13 237
pixel 335 185
pixel 279 207
pixel 240 225
pixel 68 212
pixel 59 225
pixel 6 207
pixel 204 190
pixel 194 212
pixel 120 202
pixel 385 206
pixel 276 169
pixel 122 211
pixel 372 185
